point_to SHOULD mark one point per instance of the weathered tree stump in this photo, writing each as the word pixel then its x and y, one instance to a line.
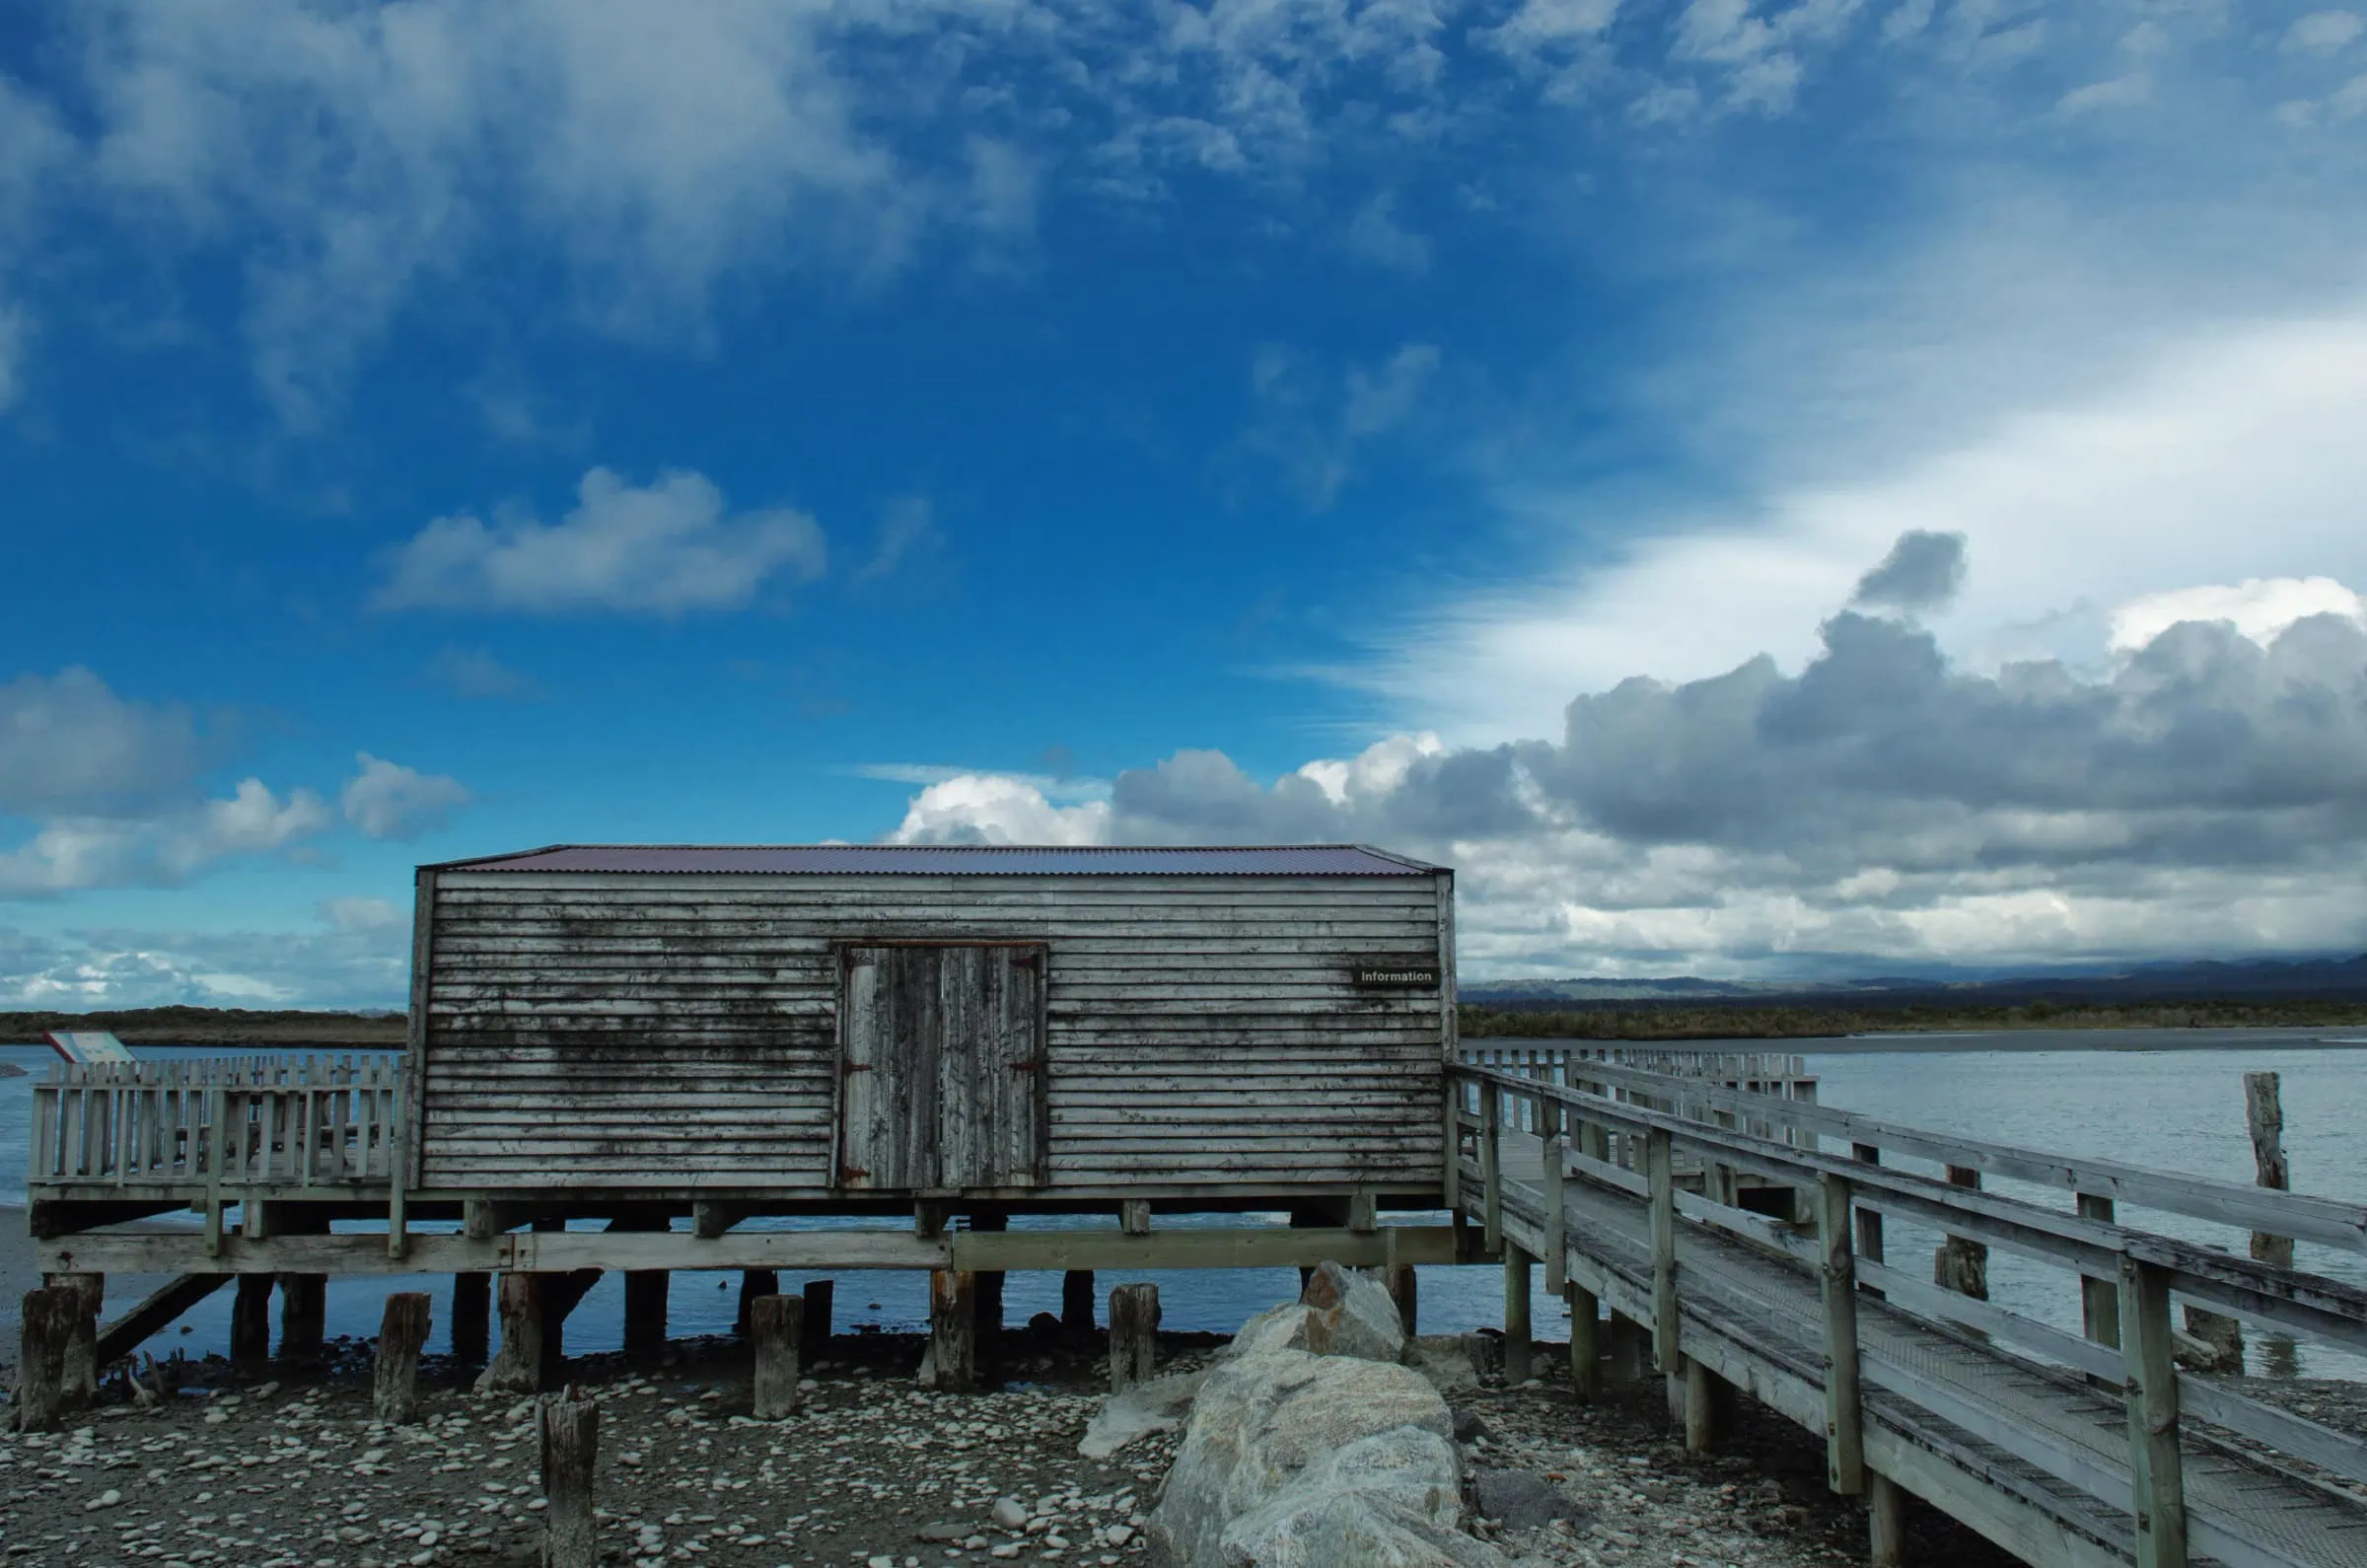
pixel 50 1316
pixel 570 1451
pixel 251 1322
pixel 303 1314
pixel 471 1318
pixel 645 1294
pixel 776 1328
pixel 1076 1301
pixel 519 1366
pixel 954 1329
pixel 1133 1335
pixel 402 1334
pixel 820 1304
pixel 2265 1119
pixel 754 1283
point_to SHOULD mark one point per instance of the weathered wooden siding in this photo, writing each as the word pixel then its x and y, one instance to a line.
pixel 678 1031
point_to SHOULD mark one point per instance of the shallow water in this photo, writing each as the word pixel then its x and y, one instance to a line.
pixel 2179 1108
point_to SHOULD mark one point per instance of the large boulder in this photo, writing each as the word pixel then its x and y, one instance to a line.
pixel 1340 1312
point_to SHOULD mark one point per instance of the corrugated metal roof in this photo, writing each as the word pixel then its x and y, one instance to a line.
pixel 960 860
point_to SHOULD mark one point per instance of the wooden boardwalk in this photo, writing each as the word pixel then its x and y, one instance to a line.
pixel 2064 1450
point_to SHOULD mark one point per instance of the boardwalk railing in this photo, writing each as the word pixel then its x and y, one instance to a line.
pixel 215 1122
pixel 2067 1449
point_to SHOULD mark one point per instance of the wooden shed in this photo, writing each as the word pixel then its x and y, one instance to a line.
pixel 815 1025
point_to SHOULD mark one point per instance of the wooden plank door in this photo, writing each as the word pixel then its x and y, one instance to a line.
pixel 941 1067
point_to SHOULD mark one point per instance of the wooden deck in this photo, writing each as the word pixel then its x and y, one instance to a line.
pixel 2066 1450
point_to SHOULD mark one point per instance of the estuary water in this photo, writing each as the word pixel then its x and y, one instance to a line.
pixel 2172 1100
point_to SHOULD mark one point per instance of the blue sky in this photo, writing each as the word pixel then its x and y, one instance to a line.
pixel 435 429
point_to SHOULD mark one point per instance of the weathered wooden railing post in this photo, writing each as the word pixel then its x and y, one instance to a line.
pixel 2099 1299
pixel 2156 1468
pixel 2264 1117
pixel 570 1454
pixel 1491 1197
pixel 394 1376
pixel 1133 1335
pixel 1660 1173
pixel 1844 1411
pixel 1961 1265
pixel 776 1328
pixel 1557 1200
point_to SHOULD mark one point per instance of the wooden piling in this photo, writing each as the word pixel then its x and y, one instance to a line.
pixel 1133 1335
pixel 954 1328
pixel 394 1377
pixel 519 1366
pixel 85 1293
pixel 2099 1299
pixel 303 1314
pixel 1586 1352
pixel 1404 1287
pixel 820 1297
pixel 570 1454
pixel 645 1294
pixel 251 1322
pixel 1076 1301
pixel 1701 1409
pixel 471 1318
pixel 754 1282
pixel 2264 1116
pixel 48 1323
pixel 1885 1522
pixel 2221 1334
pixel 777 1329
pixel 991 1282
pixel 1519 1333
pixel 1844 1415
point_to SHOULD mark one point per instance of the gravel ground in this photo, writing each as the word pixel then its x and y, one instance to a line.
pixel 294 1471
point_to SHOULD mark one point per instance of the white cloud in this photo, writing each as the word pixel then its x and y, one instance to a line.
pixel 16 330
pixel 663 550
pixel 1377 236
pixel 997 808
pixel 2261 608
pixel 69 745
pixel 361 914
pixel 2095 501
pixel 352 962
pixel 69 853
pixel 2324 31
pixel 386 800
pixel 908 536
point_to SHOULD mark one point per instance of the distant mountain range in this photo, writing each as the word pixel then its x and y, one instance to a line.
pixel 2326 978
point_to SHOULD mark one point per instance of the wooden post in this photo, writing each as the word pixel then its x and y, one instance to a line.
pixel 1557 1230
pixel 570 1452
pixel 471 1318
pixel 1845 1416
pixel 990 1281
pixel 519 1367
pixel 816 1332
pixel 2222 1333
pixel 2099 1299
pixel 1404 1287
pixel 303 1314
pixel 1586 1353
pixel 954 1328
pixel 251 1322
pixel 1133 1335
pixel 1961 1265
pixel 2156 1470
pixel 754 1282
pixel 1886 1520
pixel 2264 1116
pixel 1701 1409
pixel 1661 1179
pixel 776 1325
pixel 1076 1301
pixel 1518 1332
pixel 402 1334
pixel 85 1294
pixel 1631 1349
pixel 645 1294
pixel 1491 1195
pixel 49 1316
pixel 1869 1221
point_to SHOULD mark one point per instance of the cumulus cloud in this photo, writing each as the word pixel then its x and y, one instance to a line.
pixel 69 745
pixel 386 800
pixel 1885 803
pixel 1922 572
pixel 2259 608
pixel 344 963
pixel 666 549
pixel 2324 31
pixel 72 852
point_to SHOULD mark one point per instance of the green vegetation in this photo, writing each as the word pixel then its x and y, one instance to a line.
pixel 1798 1019
pixel 215 1025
